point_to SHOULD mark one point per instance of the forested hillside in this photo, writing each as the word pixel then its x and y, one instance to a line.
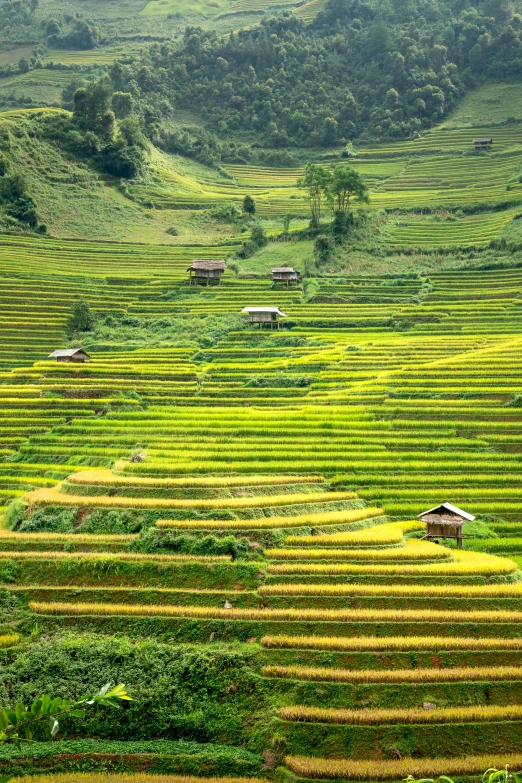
pixel 360 70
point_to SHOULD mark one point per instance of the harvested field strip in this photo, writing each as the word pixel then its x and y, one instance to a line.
pixel 389 643
pixel 54 496
pixel 107 477
pixel 116 557
pixel 304 520
pixel 304 615
pixel 474 714
pixel 306 767
pixel 420 591
pixel 450 674
pixel 413 550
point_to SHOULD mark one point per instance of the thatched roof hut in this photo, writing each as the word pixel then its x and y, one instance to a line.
pixel 445 521
pixel 264 315
pixel 206 272
pixel 69 355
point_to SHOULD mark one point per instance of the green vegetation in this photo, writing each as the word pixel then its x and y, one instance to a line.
pixel 226 517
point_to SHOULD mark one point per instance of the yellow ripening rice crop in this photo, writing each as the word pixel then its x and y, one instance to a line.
pixel 269 523
pixel 379 535
pixel 43 497
pixel 9 639
pixel 475 713
pixel 117 556
pixel 358 643
pixel 349 769
pixel 275 615
pixel 125 777
pixel 453 674
pixel 397 591
pixel 103 476
pixel 463 563
pixel 412 550
pixel 64 538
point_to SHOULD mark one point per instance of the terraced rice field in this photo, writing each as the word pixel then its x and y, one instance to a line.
pixel 377 654
pixel 101 56
pixel 474 196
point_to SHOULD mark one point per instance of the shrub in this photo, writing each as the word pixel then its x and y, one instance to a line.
pixel 155 540
pixel 202 694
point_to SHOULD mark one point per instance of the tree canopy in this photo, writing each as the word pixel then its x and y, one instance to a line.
pixel 362 69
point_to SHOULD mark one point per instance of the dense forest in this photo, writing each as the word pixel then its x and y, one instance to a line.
pixel 363 69
pixel 359 70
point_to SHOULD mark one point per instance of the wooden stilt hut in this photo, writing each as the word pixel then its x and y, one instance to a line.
pixel 264 316
pixel 205 272
pixel 285 274
pixel 69 355
pixel 445 521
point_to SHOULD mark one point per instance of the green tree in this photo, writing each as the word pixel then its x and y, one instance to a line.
pixel 286 224
pixel 330 130
pixel 92 105
pixel 316 180
pixel 258 237
pixel 81 319
pixel 323 250
pixel 346 183
pixel 131 132
pixel 249 205
pixel 122 103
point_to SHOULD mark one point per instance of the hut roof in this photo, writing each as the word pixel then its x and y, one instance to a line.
pixel 66 352
pixel 483 140
pixel 263 310
pixel 207 265
pixel 450 508
pixel 283 269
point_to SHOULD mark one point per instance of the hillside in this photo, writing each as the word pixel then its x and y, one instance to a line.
pixel 223 517
pixel 434 193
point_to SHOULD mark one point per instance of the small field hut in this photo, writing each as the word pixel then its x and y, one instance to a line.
pixel 264 315
pixel 445 521
pixel 203 272
pixel 69 355
pixel 483 143
pixel 285 274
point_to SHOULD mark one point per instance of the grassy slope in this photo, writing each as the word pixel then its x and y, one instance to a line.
pixel 74 200
pixel 438 171
pixel 490 105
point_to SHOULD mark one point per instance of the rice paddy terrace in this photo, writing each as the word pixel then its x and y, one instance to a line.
pixel 437 192
pixel 308 453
